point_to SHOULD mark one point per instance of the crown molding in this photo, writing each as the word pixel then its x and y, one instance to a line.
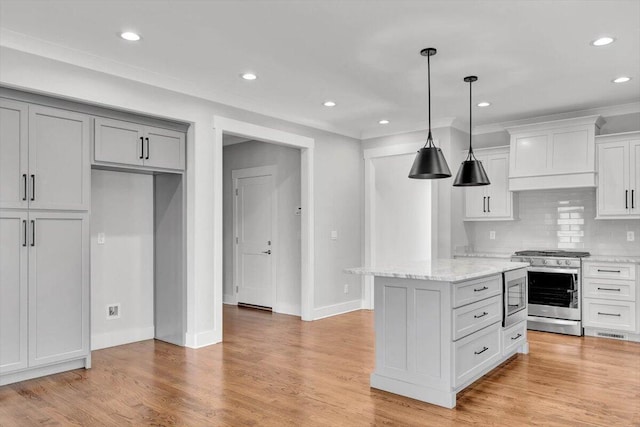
pixel 445 122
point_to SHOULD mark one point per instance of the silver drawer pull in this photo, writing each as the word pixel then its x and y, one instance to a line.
pixel 516 337
pixel 481 351
pixel 610 314
pixel 609 271
pixel 476 316
pixel 609 289
pixel 484 288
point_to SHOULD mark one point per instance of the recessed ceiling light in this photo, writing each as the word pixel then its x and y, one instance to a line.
pixel 384 122
pixel 484 104
pixel 603 41
pixel 249 76
pixel 329 104
pixel 129 36
pixel 622 79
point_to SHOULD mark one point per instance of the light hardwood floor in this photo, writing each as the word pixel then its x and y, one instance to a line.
pixel 276 370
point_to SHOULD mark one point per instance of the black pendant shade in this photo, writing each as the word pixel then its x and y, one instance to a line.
pixel 429 162
pixel 471 172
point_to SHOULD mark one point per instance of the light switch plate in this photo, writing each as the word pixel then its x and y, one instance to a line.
pixel 334 235
pixel 631 236
pixel 492 235
pixel 101 238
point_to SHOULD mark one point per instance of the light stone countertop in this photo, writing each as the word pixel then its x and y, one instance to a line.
pixel 445 270
pixel 484 255
pixel 613 258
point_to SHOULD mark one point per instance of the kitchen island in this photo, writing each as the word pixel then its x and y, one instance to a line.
pixel 439 325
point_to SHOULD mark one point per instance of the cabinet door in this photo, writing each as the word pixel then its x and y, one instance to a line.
pixel 58 287
pixel 59 163
pixel 634 176
pixel 475 200
pixel 13 291
pixel 498 194
pixel 613 178
pixel 118 142
pixel 164 149
pixel 14 154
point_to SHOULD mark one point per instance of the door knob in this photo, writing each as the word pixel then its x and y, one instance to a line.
pixel 267 252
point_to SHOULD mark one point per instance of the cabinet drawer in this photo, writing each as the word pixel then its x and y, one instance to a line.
pixel 623 290
pixel 473 317
pixel 513 337
pixel 475 353
pixel 607 270
pixel 620 315
pixel 475 290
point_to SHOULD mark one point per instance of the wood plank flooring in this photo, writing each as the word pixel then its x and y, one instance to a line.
pixel 274 370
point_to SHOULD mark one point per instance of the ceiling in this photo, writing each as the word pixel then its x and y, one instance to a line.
pixel 533 58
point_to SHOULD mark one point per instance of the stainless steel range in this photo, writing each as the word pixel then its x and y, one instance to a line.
pixel 555 288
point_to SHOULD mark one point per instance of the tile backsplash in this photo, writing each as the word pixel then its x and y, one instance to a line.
pixel 556 219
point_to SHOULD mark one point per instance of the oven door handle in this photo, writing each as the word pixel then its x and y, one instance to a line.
pixel 553 270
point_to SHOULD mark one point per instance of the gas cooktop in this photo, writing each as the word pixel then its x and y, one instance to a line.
pixel 553 253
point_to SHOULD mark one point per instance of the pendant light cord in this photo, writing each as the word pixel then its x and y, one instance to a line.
pixel 471 155
pixel 429 142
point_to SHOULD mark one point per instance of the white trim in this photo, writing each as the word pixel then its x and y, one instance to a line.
pixel 307 150
pixel 125 336
pixel 41 371
pixel 202 339
pixel 289 309
pixel 229 299
pixel 370 209
pixel 445 122
pixel 336 309
pixel 236 174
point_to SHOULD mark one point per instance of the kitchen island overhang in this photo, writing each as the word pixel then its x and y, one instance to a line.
pixel 439 325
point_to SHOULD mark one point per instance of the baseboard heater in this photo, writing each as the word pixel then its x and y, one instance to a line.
pixel 255 307
pixel 612 335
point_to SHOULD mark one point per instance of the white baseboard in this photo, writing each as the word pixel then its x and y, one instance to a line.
pixel 290 309
pixel 202 339
pixel 126 336
pixel 335 309
pixel 229 299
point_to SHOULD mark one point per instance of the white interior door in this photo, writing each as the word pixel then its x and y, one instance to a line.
pixel 254 219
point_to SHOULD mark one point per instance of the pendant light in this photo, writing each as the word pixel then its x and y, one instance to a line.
pixel 471 172
pixel 429 162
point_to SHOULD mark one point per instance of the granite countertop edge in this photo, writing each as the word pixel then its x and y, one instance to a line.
pixel 613 258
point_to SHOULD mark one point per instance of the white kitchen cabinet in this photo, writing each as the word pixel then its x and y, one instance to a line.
pixel 610 303
pixel 126 143
pixel 494 201
pixel 557 154
pixel 618 190
pixel 13 291
pixel 44 157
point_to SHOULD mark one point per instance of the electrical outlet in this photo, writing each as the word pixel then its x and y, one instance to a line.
pixel 346 288
pixel 631 236
pixel 492 235
pixel 101 238
pixel 334 235
pixel 113 311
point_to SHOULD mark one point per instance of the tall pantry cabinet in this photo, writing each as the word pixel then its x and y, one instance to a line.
pixel 44 240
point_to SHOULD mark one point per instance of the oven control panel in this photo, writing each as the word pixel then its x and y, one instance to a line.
pixel 554 262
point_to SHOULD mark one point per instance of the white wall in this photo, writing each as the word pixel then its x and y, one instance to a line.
pixel 122 267
pixel 402 224
pixel 287 182
pixel 338 177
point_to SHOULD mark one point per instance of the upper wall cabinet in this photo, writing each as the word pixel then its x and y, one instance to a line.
pixel 558 154
pixel 618 190
pixel 44 157
pixel 495 201
pixel 126 143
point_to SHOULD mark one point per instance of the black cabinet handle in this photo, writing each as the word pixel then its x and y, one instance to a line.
pixel 608 271
pixel 484 209
pixel 24 181
pixel 141 148
pixel 24 228
pixel 488 203
pixel 476 316
pixel 484 288
pixel 481 351
pixel 516 337
pixel 632 203
pixel 626 199
pixel 609 314
pixel 33 188
pixel 148 149
pixel 33 233
pixel 609 289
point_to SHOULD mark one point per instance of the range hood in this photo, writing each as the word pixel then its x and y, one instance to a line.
pixel 556 154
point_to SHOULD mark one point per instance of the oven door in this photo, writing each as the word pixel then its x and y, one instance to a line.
pixel 554 292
